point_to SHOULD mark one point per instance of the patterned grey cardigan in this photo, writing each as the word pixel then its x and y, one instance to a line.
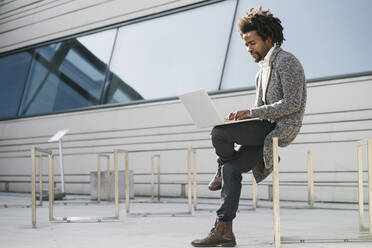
pixel 285 105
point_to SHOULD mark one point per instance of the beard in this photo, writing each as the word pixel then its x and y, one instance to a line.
pixel 259 57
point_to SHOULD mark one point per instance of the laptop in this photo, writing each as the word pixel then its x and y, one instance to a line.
pixel 202 110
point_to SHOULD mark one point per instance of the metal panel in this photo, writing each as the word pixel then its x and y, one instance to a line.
pixel 66 20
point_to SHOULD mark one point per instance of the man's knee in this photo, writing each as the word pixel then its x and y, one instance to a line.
pixel 216 131
pixel 218 134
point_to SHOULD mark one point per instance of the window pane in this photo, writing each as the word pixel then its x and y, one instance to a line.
pixel 169 55
pixel 13 71
pixel 68 74
pixel 328 37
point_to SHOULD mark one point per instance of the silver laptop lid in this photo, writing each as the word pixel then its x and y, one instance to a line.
pixel 201 108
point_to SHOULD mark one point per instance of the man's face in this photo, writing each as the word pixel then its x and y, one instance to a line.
pixel 257 47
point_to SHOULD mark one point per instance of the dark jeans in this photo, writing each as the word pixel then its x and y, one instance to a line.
pixel 250 135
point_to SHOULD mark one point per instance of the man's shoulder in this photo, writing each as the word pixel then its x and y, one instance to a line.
pixel 284 57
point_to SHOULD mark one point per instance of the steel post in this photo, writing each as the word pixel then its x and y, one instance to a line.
pixel 369 147
pixel 276 197
pixel 126 183
pixel 254 192
pixel 33 187
pixel 116 183
pixel 189 192
pixel 360 187
pixel 98 178
pixel 41 180
pixel 310 179
pixel 194 178
pixel 51 186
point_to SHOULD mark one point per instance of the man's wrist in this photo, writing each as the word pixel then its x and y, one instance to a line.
pixel 253 112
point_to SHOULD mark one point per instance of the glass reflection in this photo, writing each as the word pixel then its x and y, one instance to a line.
pixel 13 71
pixel 68 74
pixel 166 56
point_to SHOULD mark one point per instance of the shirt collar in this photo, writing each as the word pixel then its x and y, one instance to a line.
pixel 265 61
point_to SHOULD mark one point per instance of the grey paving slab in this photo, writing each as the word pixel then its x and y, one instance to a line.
pixel 252 228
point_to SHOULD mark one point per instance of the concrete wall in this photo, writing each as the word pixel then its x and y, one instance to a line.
pixel 27 22
pixel 338 114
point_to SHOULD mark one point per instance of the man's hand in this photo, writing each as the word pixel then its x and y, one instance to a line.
pixel 230 116
pixel 243 114
pixel 239 115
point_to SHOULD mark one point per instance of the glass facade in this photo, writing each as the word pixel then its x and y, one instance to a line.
pixel 68 74
pixel 328 37
pixel 168 55
pixel 13 73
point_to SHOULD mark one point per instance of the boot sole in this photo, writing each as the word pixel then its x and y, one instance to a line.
pixel 214 189
pixel 217 245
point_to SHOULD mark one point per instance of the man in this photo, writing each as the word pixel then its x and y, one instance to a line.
pixel 280 106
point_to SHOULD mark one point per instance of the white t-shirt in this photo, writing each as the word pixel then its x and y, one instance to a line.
pixel 265 70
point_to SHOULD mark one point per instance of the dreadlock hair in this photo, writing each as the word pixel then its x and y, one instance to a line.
pixel 264 23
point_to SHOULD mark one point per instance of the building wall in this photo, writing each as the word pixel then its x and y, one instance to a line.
pixel 27 22
pixel 338 115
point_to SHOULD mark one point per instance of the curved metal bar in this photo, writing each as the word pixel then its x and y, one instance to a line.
pixel 43 150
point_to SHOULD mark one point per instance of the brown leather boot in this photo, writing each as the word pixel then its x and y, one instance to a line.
pixel 220 235
pixel 216 182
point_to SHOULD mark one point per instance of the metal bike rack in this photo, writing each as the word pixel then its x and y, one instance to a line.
pixel 195 207
pixel 310 179
pixel 362 228
pixel 33 179
pixel 40 157
pixel 81 218
pixel 108 177
pixel 153 176
pixel 276 200
pixel 254 193
pixel 193 151
pixel 116 179
pixel 189 151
